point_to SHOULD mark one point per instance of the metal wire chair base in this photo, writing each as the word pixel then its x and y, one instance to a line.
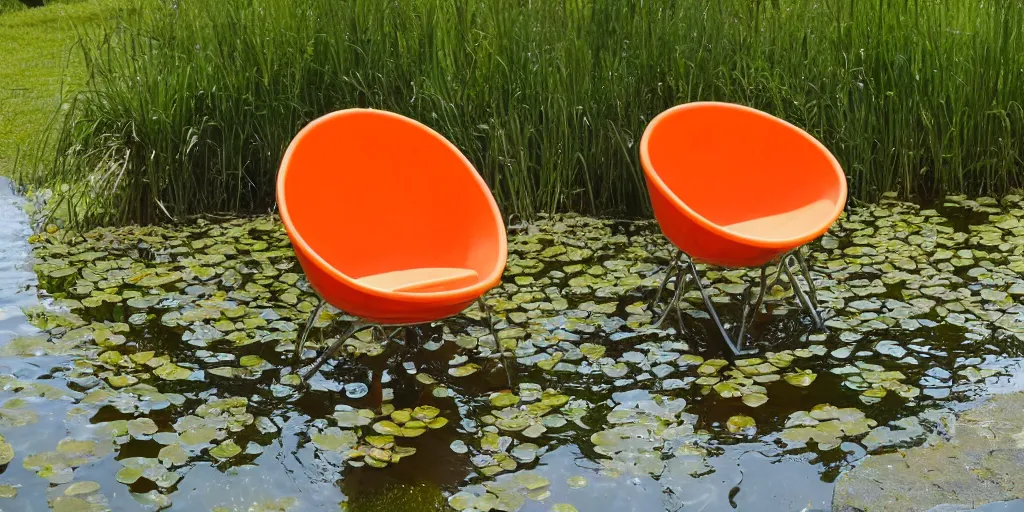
pixel 358 326
pixel 683 269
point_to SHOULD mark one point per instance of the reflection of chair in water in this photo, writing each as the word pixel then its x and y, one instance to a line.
pixel 390 222
pixel 735 187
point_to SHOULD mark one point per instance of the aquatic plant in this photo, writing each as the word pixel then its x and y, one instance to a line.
pixel 191 103
pixel 178 356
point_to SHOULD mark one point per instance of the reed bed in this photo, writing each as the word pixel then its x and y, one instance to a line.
pixel 191 103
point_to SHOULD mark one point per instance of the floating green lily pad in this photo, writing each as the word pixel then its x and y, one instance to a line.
pixel 425 412
pixel 801 379
pixel 171 371
pixel 592 351
pixel 464 370
pixel 82 488
pixel 335 439
pixel 893 280
pixel 755 399
pixel 141 427
pixel 225 450
pixel 745 424
pixel 172 455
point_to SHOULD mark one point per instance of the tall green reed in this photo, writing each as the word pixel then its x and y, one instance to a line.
pixel 192 102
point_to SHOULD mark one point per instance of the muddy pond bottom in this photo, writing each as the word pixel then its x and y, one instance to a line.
pixel 149 368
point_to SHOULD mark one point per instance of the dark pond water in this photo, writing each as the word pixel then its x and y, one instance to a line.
pixel 147 368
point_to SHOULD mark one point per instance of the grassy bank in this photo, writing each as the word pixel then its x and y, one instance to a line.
pixel 190 110
pixel 11 6
pixel 7 6
pixel 40 66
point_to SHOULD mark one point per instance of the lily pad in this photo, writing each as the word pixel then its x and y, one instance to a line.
pixel 171 371
pixel 225 450
pixel 425 412
pixel 135 468
pixel 141 427
pixel 6 451
pixel 353 418
pixel 172 455
pixel 531 480
pixel 503 399
pixel 755 399
pixel 335 439
pixel 577 482
pixel 388 428
pixel 82 488
pixel 744 424
pixel 800 378
pixel 464 370
pixel 592 351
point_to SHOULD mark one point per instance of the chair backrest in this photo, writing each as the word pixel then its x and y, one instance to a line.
pixel 371 191
pixel 730 163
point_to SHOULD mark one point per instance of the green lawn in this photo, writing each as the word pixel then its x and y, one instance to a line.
pixel 39 65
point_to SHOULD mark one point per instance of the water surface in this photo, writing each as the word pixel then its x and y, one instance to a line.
pixel 152 367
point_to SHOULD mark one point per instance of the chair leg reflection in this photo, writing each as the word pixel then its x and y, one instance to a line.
pixel 683 269
pixel 357 326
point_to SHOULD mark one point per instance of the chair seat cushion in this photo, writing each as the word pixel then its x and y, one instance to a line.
pixel 421 280
pixel 784 225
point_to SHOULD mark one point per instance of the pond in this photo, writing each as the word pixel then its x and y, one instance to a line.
pixel 148 368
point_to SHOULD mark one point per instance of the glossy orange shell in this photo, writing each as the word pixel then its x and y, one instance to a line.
pixel 736 187
pixel 364 192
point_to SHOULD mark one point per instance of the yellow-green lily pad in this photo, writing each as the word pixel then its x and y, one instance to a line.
pixel 464 370
pixel 755 399
pixel 744 424
pixel 171 371
pixel 6 451
pixel 226 450
pixel 800 378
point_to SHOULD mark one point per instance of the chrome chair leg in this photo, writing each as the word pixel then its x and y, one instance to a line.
pixel 805 269
pixel 389 337
pixel 745 324
pixel 313 315
pixel 737 349
pixel 784 266
pixel 673 267
pixel 778 274
pixel 351 331
pixel 355 327
pixel 805 302
pixel 808 300
pixel 497 342
pixel 681 279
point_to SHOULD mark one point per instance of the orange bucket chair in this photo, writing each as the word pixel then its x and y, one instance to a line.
pixel 732 186
pixel 389 221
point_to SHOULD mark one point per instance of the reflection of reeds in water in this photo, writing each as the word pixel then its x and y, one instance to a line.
pixel 190 109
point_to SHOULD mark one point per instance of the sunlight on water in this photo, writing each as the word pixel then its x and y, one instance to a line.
pixel 155 369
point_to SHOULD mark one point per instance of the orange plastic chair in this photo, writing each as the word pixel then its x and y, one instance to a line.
pixel 732 186
pixel 389 221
